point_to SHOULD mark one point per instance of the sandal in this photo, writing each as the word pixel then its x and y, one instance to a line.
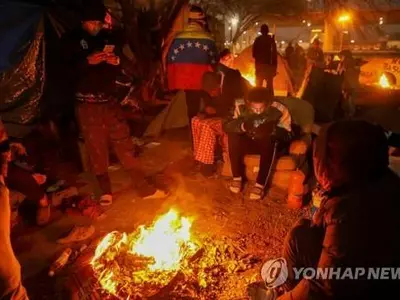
pixel 256 193
pixel 235 186
pixel 106 200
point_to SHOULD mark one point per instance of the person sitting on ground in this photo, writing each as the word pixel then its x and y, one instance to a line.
pixel 207 126
pixel 10 269
pixel 357 222
pixel 26 182
pixel 252 129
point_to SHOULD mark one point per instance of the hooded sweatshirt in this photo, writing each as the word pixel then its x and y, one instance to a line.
pixel 359 216
pixel 264 50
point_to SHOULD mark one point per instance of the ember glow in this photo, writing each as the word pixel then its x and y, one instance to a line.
pixel 128 265
pixel 384 82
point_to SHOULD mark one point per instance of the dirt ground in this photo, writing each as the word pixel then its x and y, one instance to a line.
pixel 256 228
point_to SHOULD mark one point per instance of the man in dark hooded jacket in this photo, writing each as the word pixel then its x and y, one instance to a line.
pixel 357 223
pixel 265 55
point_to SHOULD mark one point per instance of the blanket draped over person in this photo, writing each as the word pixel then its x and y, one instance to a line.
pixel 357 222
pixel 192 53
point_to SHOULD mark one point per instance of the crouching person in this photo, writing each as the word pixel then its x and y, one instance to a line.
pixel 207 125
pixel 254 128
pixel 207 130
pixel 355 228
pixel 10 270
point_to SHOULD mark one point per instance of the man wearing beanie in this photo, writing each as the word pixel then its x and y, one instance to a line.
pixel 252 129
pixel 93 54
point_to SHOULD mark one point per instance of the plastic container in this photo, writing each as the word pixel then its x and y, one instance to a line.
pixel 60 262
pixel 296 190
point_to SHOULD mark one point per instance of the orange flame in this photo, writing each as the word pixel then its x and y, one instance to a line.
pixel 147 259
pixel 384 82
pixel 251 78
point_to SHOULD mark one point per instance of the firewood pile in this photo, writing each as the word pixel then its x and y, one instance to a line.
pixel 214 270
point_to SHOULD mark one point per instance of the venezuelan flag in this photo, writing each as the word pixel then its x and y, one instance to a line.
pixel 192 53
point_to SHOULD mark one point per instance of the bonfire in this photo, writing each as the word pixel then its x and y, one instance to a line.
pixel 143 262
pixel 384 82
pixel 164 259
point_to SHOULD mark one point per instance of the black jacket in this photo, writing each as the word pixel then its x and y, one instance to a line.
pixel 264 50
pixel 275 117
pixel 359 216
pixel 90 79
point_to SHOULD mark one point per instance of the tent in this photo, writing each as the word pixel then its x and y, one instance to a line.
pixel 283 82
pixel 173 116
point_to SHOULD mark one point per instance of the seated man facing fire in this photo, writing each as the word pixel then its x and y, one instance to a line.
pixel 207 126
pixel 254 128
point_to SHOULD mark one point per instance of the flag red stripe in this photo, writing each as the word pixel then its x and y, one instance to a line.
pixel 186 76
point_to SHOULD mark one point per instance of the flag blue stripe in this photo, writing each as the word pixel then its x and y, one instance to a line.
pixel 191 50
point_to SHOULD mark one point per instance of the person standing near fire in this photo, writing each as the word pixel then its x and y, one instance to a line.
pixel 265 55
pixel 96 65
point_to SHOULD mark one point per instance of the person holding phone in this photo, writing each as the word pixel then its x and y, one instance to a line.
pixel 95 56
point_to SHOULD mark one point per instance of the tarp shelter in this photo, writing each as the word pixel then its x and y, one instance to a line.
pixel 25 59
pixel 283 82
pixel 21 61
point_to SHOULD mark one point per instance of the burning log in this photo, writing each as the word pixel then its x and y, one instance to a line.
pixel 162 261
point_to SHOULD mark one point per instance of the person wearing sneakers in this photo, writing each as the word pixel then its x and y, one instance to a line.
pixel 10 270
pixel 254 128
pixel 94 55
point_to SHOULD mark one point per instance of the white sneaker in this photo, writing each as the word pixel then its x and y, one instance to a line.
pixel 236 186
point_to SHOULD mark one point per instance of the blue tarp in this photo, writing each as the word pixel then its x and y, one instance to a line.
pixel 18 25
